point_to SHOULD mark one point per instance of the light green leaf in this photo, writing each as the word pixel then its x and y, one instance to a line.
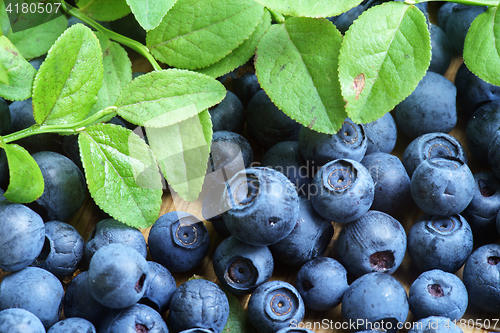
pixel 149 13
pixel 4 20
pixel 482 46
pixel 296 65
pixel 26 180
pixel 36 41
pixel 242 53
pixel 122 174
pixel 385 54
pixel 19 72
pixel 198 33
pixel 104 10
pixel 163 98
pixel 4 78
pixel 182 151
pixel 310 8
pixel 117 73
pixel 69 79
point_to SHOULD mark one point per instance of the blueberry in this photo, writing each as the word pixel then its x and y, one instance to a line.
pixel 381 135
pixel 424 111
pixel 267 124
pixel 442 186
pixel 458 23
pixel 22 235
pixel 309 238
pixel 72 325
pixel 481 128
pixel 264 206
pixel 376 242
pixel 36 290
pixel 482 210
pixel 431 145
pixel 240 267
pixel 375 301
pixel 78 301
pixel 64 187
pixel 344 20
pixel 161 287
pixel 72 150
pixel 437 293
pixel 246 86
pixel 4 170
pixel 228 115
pixel 482 278
pixel 442 51
pixel 294 330
pixel 319 148
pixel 472 92
pixel 138 318
pixel 179 241
pixel 219 226
pixel 198 303
pixel 109 231
pixel 62 250
pixel 228 148
pixel 494 153
pixel 321 283
pixel 118 276
pixel 20 321
pixel 275 305
pixel 5 118
pixel 444 13
pixel 22 118
pixel 440 242
pixel 2 198
pixel 37 62
pixel 435 325
pixel 392 183
pixel 285 157
pixel 342 190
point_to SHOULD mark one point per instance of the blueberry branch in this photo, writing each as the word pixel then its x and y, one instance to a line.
pixel 73 128
pixel 138 47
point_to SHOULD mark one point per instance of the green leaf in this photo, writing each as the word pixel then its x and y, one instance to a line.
pixel 242 53
pixel 149 13
pixel 26 180
pixel 296 65
pixel 4 20
pixel 385 54
pixel 238 320
pixel 36 41
pixel 104 10
pixel 20 73
pixel 4 79
pixel 198 33
pixel 117 73
pixel 482 46
pixel 182 150
pixel 122 174
pixel 163 98
pixel 310 8
pixel 69 79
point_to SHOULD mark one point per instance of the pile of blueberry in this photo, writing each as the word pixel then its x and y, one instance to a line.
pixel 279 209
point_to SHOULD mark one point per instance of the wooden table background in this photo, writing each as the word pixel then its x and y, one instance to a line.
pixel 89 215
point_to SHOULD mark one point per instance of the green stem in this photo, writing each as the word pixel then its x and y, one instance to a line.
pixel 277 17
pixel 61 129
pixel 134 45
pixel 492 3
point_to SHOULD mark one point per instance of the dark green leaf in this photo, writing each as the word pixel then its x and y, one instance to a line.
pixel 149 13
pixel 20 73
pixel 385 54
pixel 69 79
pixel 26 180
pixel 122 174
pixel 117 73
pixel 482 46
pixel 36 41
pixel 197 33
pixel 104 10
pixel 241 54
pixel 4 20
pixel 310 8
pixel 297 67
pixel 182 150
pixel 163 98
